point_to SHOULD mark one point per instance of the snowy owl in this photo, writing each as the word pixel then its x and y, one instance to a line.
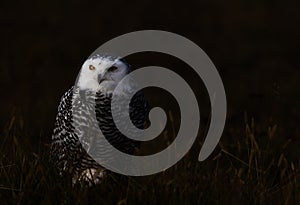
pixel 96 82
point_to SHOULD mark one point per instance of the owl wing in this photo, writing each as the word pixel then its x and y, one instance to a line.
pixel 66 152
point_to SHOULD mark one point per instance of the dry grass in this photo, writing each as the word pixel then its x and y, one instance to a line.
pixel 248 167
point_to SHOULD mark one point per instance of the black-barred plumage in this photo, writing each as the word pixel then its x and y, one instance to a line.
pixel 74 122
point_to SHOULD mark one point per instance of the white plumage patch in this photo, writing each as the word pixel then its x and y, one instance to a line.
pixel 89 78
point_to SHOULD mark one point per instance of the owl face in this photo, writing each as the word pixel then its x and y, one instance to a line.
pixel 102 73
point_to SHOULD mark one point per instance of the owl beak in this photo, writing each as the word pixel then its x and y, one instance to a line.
pixel 100 78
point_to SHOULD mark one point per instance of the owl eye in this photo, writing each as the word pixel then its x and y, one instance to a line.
pixel 112 69
pixel 91 67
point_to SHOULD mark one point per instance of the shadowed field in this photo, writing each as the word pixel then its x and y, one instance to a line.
pixel 248 167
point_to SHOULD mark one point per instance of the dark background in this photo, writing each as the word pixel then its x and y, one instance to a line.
pixel 253 44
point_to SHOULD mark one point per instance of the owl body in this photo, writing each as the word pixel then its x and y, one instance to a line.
pixel 84 119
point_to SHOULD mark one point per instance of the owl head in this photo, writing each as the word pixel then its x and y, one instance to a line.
pixel 102 73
